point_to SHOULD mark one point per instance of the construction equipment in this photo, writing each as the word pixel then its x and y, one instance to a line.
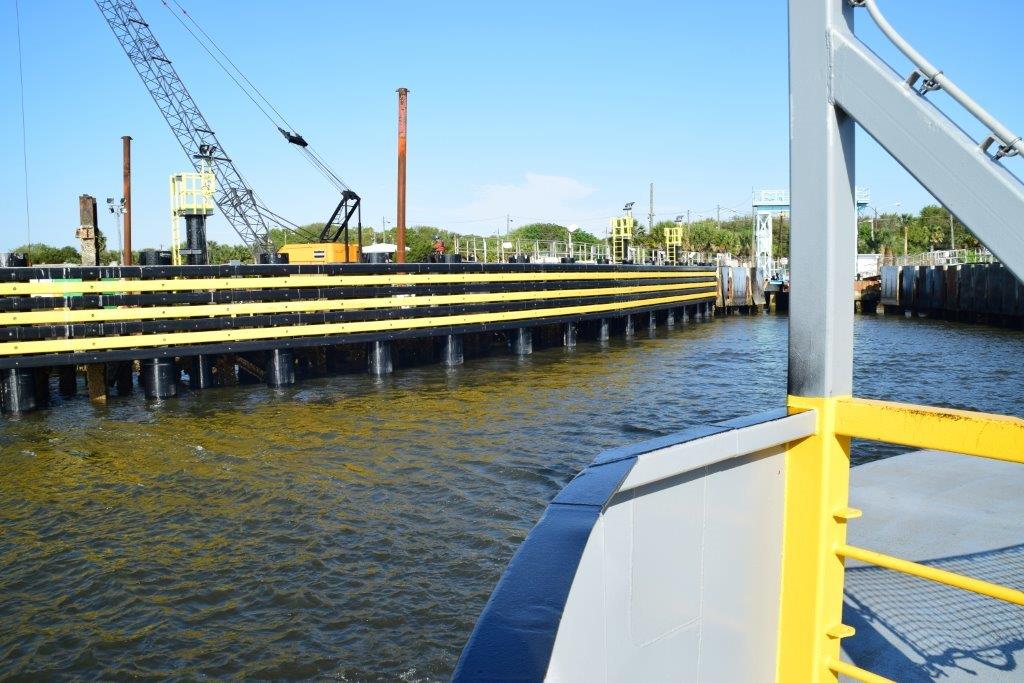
pixel 233 195
pixel 192 199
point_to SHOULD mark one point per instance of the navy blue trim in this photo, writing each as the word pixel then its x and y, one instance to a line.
pixel 515 635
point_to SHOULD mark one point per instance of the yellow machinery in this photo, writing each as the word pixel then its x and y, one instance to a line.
pixel 622 237
pixel 191 198
pixel 673 245
pixel 321 252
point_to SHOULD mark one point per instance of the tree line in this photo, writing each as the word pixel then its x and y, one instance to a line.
pixel 931 229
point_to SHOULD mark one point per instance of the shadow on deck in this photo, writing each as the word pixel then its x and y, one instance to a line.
pixel 909 629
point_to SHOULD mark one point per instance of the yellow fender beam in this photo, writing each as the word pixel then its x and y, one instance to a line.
pixel 206 284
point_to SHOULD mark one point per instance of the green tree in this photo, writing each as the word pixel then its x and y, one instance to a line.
pixel 541 231
pixel 40 253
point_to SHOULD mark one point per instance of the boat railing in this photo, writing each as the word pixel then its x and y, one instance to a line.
pixel 816 514
pixel 1010 144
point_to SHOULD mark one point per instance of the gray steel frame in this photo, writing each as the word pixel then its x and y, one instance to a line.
pixel 234 197
pixel 835 81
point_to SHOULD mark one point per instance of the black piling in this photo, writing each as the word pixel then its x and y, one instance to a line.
pixel 521 341
pixel 67 380
pixel 17 390
pixel 158 377
pixel 569 335
pixel 280 367
pixel 378 358
pixel 451 350
pixel 200 374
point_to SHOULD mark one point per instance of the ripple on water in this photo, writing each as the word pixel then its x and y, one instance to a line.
pixel 351 528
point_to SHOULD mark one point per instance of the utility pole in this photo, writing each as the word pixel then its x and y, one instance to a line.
pixel 403 106
pixel 126 193
pixel 718 214
pixel 508 225
pixel 952 244
pixel 650 212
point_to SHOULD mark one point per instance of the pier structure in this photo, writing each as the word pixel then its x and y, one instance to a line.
pixel 983 292
pixel 276 323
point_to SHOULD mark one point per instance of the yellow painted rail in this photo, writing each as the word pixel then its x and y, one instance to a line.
pixel 923 571
pixel 817 513
pixel 1000 437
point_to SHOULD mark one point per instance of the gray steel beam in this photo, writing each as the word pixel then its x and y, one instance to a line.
pixel 986 197
pixel 824 207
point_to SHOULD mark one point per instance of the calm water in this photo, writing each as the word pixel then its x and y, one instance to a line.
pixel 352 528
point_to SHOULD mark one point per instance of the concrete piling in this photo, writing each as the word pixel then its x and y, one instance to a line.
pixel 630 327
pixel 603 331
pixel 96 381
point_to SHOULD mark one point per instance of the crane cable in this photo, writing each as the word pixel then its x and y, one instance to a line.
pixel 24 134
pixel 279 122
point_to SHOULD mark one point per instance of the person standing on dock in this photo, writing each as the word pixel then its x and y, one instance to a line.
pixel 439 249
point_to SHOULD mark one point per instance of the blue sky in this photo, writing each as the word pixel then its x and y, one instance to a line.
pixel 545 110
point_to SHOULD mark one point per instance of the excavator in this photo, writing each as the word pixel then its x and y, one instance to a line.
pixel 234 197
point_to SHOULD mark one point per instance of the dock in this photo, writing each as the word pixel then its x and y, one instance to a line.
pixel 221 324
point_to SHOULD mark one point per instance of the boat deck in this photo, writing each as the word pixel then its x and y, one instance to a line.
pixel 953 512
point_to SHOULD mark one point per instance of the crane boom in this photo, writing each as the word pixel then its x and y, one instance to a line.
pixel 234 197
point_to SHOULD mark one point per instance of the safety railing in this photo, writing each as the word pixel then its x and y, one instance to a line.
pixel 817 513
pixel 1009 143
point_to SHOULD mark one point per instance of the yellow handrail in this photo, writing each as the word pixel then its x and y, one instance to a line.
pixel 999 437
pixel 857 673
pixel 817 512
pixel 923 571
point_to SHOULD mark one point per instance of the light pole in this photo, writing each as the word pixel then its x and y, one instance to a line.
pixel 906 236
pixel 117 208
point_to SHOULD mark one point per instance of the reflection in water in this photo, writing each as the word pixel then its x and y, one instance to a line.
pixel 354 527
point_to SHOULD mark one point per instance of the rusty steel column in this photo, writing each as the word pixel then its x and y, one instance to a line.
pixel 126 257
pixel 403 105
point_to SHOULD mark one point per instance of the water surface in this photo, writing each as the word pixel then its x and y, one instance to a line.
pixel 353 528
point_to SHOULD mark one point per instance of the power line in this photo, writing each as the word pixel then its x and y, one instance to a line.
pixel 281 123
pixel 24 129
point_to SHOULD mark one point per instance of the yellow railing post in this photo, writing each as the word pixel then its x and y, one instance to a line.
pixel 817 479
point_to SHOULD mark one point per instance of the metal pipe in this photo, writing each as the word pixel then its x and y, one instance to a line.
pixel 403 106
pixel 1009 140
pixel 856 673
pixel 126 193
pixel 923 571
